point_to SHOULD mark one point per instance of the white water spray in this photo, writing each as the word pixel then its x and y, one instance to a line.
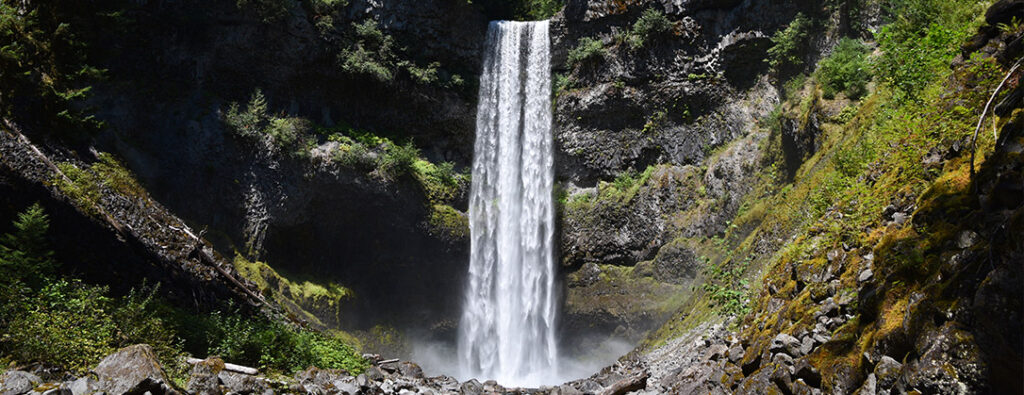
pixel 507 331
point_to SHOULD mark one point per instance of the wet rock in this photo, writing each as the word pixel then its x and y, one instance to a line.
pixel 736 353
pixel 716 352
pixel 410 369
pixel 865 275
pixel 316 380
pixel 590 387
pixel 471 387
pixel 783 379
pixel 133 369
pixel 966 239
pixel 346 387
pixel 566 390
pixel 869 386
pixel 887 371
pixel 374 374
pixel 829 308
pixel 242 383
pixel 899 219
pixel 950 362
pixel 806 345
pixel 16 382
pixel 760 383
pixel 785 343
pixel 81 386
pixel 204 378
pixel 803 370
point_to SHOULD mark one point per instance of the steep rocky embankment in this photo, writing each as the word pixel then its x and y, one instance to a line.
pixel 658 144
pixel 885 255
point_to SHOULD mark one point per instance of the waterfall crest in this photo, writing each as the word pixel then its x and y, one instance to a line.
pixel 507 331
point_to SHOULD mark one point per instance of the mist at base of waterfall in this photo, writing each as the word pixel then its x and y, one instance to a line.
pixel 439 358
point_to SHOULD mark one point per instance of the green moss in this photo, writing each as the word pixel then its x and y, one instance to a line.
pixel 301 297
pixel 450 222
pixel 86 187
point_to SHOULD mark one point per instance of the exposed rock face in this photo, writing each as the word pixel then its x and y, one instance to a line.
pixel 302 216
pixel 669 101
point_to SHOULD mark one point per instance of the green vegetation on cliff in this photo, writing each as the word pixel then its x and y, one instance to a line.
pixel 62 321
pixel 879 214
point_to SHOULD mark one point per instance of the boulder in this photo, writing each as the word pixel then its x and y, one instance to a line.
pixel 410 369
pixel 133 369
pixel 242 383
pixel 471 387
pixel 204 378
pixel 785 343
pixel 887 371
pixel 16 382
pixel 82 386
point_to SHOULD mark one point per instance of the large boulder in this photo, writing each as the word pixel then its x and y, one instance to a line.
pixel 16 382
pixel 133 370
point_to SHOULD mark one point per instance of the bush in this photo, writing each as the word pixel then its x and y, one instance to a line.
pixel 65 322
pixel 538 9
pixel 651 24
pixel 788 44
pixel 586 50
pixel 248 123
pixel 272 345
pixel 371 53
pixel 354 155
pixel 846 70
pixel 25 258
pixel 281 134
pixel 398 160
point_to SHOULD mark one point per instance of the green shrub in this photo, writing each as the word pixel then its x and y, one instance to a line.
pixel 536 10
pixel 63 321
pixel 44 62
pixel 291 135
pixel 248 123
pixel 651 25
pixel 587 49
pixel 272 345
pixel 354 155
pixel 398 160
pixel 788 44
pixel 921 41
pixel 371 53
pixel 846 70
pixel 25 257
pixel 423 75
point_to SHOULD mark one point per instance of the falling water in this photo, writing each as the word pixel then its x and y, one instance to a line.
pixel 507 328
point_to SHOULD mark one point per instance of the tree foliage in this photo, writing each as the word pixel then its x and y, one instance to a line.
pixel 846 70
pixel 44 73
pixel 788 44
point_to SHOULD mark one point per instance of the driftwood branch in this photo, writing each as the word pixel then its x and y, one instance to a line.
pixel 387 361
pixel 229 367
pixel 984 112
pixel 627 385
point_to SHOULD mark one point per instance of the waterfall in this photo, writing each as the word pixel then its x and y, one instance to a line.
pixel 507 332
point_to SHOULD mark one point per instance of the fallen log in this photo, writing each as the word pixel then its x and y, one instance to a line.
pixel 627 385
pixel 229 367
